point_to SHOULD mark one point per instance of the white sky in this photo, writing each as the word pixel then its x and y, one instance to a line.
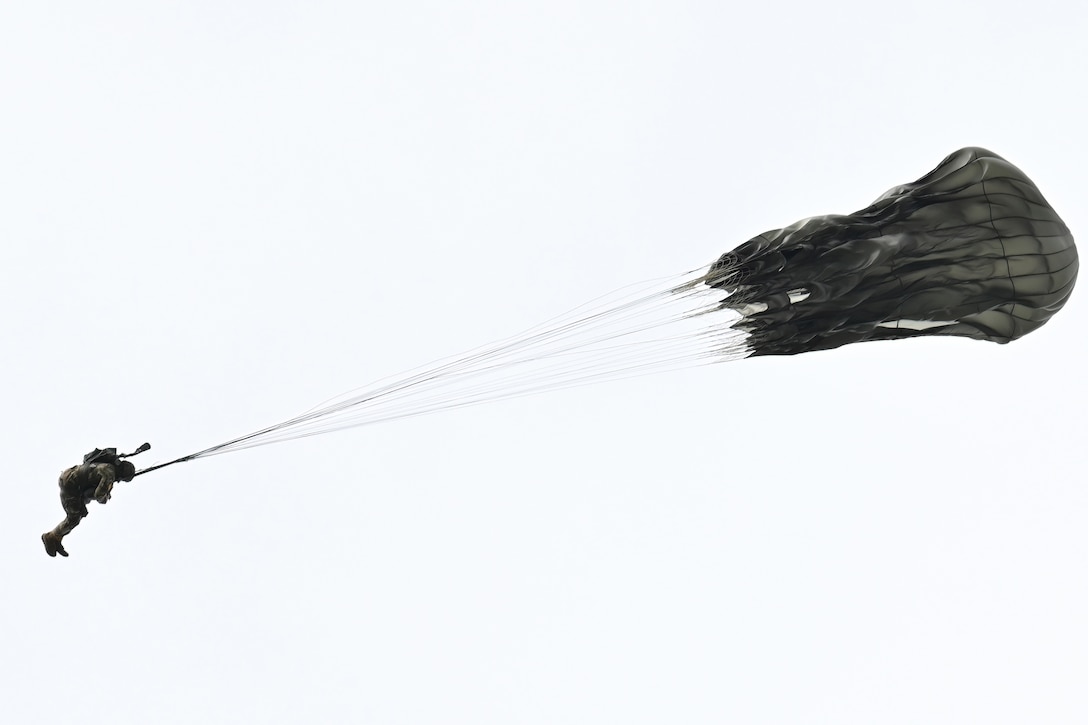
pixel 216 215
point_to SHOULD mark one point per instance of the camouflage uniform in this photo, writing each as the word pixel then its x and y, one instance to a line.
pixel 78 486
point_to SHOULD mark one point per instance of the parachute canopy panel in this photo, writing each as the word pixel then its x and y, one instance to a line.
pixel 971 249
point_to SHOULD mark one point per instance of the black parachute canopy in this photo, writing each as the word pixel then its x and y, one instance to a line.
pixel 970 249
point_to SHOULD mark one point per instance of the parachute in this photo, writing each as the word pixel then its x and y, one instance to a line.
pixel 971 249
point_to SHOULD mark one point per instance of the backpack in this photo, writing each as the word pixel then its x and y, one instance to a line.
pixel 102 455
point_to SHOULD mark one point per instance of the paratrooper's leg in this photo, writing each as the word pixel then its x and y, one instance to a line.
pixel 75 510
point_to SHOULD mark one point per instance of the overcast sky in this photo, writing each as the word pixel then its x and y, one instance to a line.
pixel 216 215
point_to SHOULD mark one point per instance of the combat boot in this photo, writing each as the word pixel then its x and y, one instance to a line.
pixel 52 544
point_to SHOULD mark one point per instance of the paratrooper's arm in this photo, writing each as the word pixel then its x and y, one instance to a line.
pixel 106 478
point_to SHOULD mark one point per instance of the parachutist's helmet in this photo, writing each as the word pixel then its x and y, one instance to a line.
pixel 126 471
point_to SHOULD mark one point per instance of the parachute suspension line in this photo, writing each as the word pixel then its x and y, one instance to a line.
pixel 157 466
pixel 660 325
